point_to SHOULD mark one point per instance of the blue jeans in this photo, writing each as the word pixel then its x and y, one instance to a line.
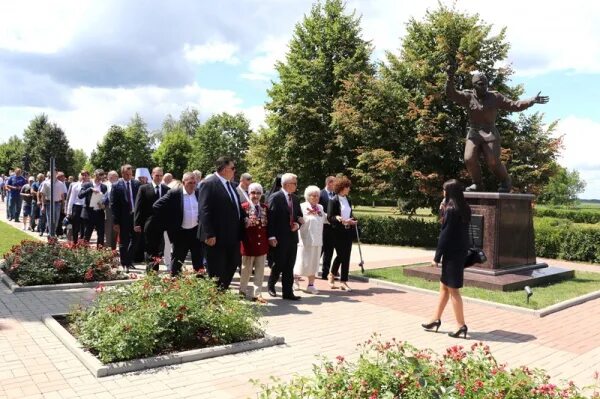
pixel 56 214
pixel 16 202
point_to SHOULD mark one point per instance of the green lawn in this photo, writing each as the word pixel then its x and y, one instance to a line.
pixel 543 296
pixel 10 236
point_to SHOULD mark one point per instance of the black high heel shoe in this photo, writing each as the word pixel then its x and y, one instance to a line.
pixel 462 330
pixel 429 326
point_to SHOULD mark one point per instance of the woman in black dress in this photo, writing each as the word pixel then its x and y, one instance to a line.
pixel 341 219
pixel 452 247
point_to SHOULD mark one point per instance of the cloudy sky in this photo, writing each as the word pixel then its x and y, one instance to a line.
pixel 89 64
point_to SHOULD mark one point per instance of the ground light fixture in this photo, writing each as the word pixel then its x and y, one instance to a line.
pixel 529 292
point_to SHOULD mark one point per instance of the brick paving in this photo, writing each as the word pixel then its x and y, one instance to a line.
pixel 34 364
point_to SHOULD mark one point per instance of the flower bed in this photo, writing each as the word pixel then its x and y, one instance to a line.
pixel 160 315
pixel 33 263
pixel 398 370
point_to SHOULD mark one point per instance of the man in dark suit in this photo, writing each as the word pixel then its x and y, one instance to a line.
pixel 94 195
pixel 122 197
pixel 285 218
pixel 222 222
pixel 327 249
pixel 147 195
pixel 177 213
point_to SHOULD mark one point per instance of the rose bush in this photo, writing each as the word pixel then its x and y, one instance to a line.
pixel 396 369
pixel 157 315
pixel 37 263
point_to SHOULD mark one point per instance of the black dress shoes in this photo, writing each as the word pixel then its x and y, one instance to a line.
pixel 271 291
pixel 292 297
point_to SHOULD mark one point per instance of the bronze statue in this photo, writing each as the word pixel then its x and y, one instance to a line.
pixel 482 135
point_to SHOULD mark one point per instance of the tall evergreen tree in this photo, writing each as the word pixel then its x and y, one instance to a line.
pixel 326 48
pixel 43 140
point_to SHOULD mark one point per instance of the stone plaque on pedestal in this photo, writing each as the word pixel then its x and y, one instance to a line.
pixel 502 225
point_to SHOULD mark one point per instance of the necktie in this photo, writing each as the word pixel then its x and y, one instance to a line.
pixel 331 194
pixel 129 202
pixel 232 195
pixel 157 193
pixel 257 211
pixel 291 209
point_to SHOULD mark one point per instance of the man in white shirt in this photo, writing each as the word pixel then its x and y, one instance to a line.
pixel 110 237
pixel 52 201
pixel 177 212
pixel 242 188
pixel 76 204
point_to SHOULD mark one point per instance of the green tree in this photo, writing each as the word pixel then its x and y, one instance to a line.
pixel 11 154
pixel 326 49
pixel 42 140
pixel 112 151
pixel 174 152
pixel 221 135
pixel 139 143
pixel 562 188
pixel 80 160
pixel 404 121
pixel 189 121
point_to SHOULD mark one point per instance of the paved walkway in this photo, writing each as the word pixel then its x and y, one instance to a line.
pixel 33 363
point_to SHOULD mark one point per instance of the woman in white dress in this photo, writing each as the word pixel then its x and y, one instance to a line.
pixel 311 237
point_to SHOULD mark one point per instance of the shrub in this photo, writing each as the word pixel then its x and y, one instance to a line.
pixel 398 370
pixel 560 238
pixel 388 230
pixel 157 315
pixel 35 263
pixel 574 215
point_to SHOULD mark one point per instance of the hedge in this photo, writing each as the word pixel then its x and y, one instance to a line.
pixel 560 239
pixel 388 230
pixel 575 215
pixel 554 237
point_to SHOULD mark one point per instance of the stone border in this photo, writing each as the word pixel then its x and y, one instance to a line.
pixel 557 307
pixel 98 369
pixel 14 287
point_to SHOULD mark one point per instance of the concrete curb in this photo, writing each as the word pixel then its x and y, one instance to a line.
pixel 557 307
pixel 98 369
pixel 14 287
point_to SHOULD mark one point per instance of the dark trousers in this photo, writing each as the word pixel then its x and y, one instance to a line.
pixel 95 221
pixel 77 223
pixel 327 250
pixel 284 257
pixel 342 239
pixel 221 262
pixel 185 240
pixel 35 214
pixel 127 240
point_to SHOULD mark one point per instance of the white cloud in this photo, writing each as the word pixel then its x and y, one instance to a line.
pixel 211 52
pixel 581 141
pixel 262 66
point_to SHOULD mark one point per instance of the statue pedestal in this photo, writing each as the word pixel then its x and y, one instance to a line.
pixel 502 225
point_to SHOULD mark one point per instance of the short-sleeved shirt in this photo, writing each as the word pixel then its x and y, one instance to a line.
pixel 26 189
pixel 60 190
pixel 16 181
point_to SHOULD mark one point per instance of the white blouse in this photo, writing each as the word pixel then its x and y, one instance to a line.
pixel 345 209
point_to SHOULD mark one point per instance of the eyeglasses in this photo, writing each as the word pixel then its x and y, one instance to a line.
pixel 256 192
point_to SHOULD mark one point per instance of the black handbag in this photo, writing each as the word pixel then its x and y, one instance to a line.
pixel 474 255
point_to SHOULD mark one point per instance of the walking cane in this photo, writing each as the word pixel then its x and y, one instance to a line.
pixel 361 263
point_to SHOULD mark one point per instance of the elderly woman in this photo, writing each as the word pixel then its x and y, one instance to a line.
pixel 255 243
pixel 311 237
pixel 339 214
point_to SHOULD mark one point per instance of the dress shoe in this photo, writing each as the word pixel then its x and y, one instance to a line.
pixel 461 331
pixel 271 291
pixel 473 187
pixel 434 324
pixel 292 297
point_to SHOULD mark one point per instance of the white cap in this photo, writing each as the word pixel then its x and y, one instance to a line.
pixel 142 172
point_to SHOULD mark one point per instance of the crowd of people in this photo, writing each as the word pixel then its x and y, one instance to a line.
pixel 225 225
